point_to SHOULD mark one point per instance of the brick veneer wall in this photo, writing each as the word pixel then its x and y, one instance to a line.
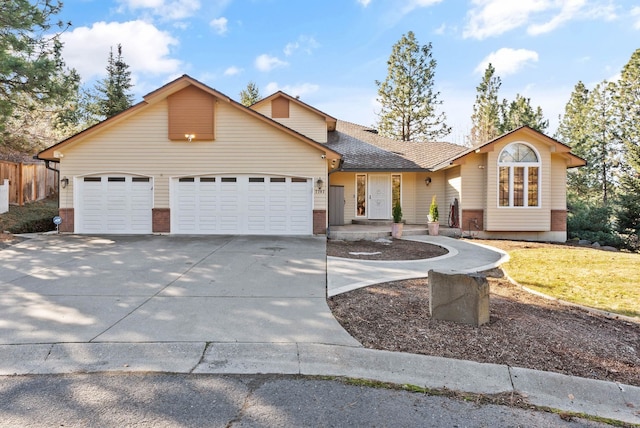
pixel 558 220
pixel 161 220
pixel 67 224
pixel 468 216
pixel 319 222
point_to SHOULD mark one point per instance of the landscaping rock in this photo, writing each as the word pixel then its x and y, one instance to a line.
pixel 458 297
pixel 608 248
pixel 584 242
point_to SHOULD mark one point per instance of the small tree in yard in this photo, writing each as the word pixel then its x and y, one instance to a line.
pixel 433 210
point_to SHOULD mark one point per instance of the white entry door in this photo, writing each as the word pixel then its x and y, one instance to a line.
pixel 379 197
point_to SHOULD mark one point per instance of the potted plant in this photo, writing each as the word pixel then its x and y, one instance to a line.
pixel 434 224
pixel 396 227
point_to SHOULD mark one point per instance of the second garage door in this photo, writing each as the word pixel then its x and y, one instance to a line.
pixel 242 204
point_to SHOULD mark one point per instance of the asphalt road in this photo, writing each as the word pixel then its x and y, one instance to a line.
pixel 172 400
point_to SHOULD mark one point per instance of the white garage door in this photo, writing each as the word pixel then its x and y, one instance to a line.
pixel 242 204
pixel 118 204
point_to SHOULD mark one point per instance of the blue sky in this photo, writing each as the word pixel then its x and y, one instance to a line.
pixel 331 52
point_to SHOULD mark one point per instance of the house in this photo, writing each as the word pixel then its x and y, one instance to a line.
pixel 190 160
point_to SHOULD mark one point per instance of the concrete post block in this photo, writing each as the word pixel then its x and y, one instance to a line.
pixel 459 297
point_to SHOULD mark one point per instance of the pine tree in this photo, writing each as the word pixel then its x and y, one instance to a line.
pixel 627 107
pixel 604 148
pixel 33 76
pixel 572 131
pixel 407 96
pixel 486 109
pixel 519 112
pixel 113 92
pixel 250 95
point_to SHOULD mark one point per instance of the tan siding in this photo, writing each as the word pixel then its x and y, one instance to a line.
pixel 243 144
pixel 302 120
pixel 424 194
pixel 559 183
pixel 472 195
pixel 263 108
pixel 408 196
pixel 518 219
pixel 453 184
pixel 348 180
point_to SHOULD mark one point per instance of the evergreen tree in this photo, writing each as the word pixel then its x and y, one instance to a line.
pixel 604 149
pixel 33 76
pixel 250 95
pixel 113 92
pixel 486 109
pixel 519 112
pixel 572 131
pixel 408 99
pixel 627 107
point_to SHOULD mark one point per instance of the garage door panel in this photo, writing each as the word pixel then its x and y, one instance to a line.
pixel 243 204
pixel 118 204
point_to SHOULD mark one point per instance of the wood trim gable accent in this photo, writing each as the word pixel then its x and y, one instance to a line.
pixel 191 112
pixel 161 94
pixel 331 121
pixel 280 108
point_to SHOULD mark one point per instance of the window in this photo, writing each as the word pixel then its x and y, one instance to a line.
pixel 395 190
pixel 518 176
pixel 361 195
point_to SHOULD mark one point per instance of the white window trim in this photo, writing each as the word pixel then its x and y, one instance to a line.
pixel 525 189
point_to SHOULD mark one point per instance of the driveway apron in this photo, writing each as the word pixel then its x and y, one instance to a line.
pixel 138 289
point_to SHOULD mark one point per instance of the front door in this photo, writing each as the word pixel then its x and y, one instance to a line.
pixel 379 197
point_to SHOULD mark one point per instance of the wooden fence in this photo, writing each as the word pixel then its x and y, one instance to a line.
pixel 28 182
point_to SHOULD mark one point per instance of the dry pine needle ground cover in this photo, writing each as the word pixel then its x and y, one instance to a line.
pixel 524 330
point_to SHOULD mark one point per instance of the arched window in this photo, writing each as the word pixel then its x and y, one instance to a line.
pixel 518 176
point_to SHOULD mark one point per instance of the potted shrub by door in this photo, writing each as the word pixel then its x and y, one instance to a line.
pixel 433 225
pixel 396 227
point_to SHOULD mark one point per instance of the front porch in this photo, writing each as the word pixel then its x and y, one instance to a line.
pixel 372 230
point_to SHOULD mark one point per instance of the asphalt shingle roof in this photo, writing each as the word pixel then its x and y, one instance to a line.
pixel 363 149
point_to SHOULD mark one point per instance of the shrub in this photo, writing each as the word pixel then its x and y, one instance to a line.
pixel 592 222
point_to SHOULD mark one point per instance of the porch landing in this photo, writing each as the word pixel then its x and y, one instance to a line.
pixel 372 231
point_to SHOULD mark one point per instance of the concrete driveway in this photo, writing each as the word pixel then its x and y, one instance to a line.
pixel 139 289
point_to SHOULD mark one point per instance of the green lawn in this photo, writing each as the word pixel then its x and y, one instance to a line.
pixel 603 280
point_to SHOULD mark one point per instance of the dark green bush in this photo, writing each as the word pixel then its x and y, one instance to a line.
pixel 592 222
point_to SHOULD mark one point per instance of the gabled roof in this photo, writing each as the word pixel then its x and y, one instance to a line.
pixel 364 150
pixel 161 94
pixel 331 121
pixel 555 145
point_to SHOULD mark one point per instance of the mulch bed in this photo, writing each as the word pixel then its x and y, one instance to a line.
pixel 525 330
pixel 384 249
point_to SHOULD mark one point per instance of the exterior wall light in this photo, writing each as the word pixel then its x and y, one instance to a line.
pixel 427 181
pixel 64 182
pixel 319 183
pixel 189 137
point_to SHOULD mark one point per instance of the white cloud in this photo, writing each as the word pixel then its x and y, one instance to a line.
pixel 304 43
pixel 266 62
pixel 635 13
pixel 219 25
pixel 167 9
pixel 441 29
pixel 507 61
pixel 145 48
pixel 232 71
pixel 569 10
pixel 293 90
pixel 364 3
pixel 489 18
pixel 493 17
pixel 410 5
